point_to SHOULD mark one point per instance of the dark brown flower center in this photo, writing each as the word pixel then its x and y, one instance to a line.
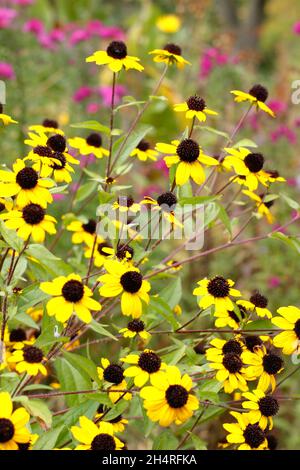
pixel 254 435
pixel 42 151
pixel 272 363
pixel 297 328
pixel 259 300
pixel 60 161
pixel 232 362
pixel 103 442
pixel 32 354
pixel 125 251
pixel 131 281
pixel 27 178
pixel 218 287
pixel 24 446
pixel 259 92
pixel 149 362
pixel 188 150
pixel 33 214
pixel 57 143
pixel 136 325
pixel 143 145
pixel 73 291
pixel 114 374
pixel 254 162
pixel 173 49
pixel 252 341
pixel 7 430
pixel 2 206
pixel 50 123
pixel 125 201
pixel 94 140
pixel 232 346
pixel 167 201
pixel 115 420
pixel 17 334
pixel 196 103
pixel 117 50
pixel 268 406
pixel 90 226
pixel 176 396
pixel 234 316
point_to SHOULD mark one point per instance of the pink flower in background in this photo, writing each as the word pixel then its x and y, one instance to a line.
pixel 277 106
pixel 6 71
pixel 57 35
pixel 297 122
pixel 93 108
pixel 23 3
pixel 46 41
pixel 82 93
pixel 296 27
pixel 96 28
pixel 79 35
pixel 34 26
pixel 274 282
pixel 7 15
pixel 58 197
pixel 151 190
pixel 106 91
pixel 86 160
pixel 284 132
pixel 160 165
pixel 213 57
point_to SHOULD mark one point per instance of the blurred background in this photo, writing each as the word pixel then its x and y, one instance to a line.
pixel 232 44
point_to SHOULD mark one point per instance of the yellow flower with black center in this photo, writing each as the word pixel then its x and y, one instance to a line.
pixel 128 281
pixel 16 337
pixel 168 23
pixel 48 126
pixel 272 176
pixel 189 156
pixel 95 437
pixel 144 152
pixel 263 207
pixel 263 365
pixel 169 398
pixel 258 303
pixel 83 232
pixel 116 58
pixel 256 96
pixel 126 204
pixel 92 145
pixel 13 429
pixel 166 204
pixel 70 296
pixel 119 423
pixel 247 166
pixel 230 318
pixel 114 374
pixel 6 204
pixel 100 252
pixel 249 436
pixel 135 328
pixel 289 321
pixel 262 408
pixel 28 358
pixel 170 54
pixel 195 107
pixel 226 359
pixel 30 221
pixel 36 313
pixel 216 291
pixel 147 365
pixel 28 445
pixel 24 183
pixel 5 118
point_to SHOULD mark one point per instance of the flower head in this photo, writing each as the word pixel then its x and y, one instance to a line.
pixel 92 145
pixel 170 54
pixel 29 359
pixel 13 429
pixel 289 321
pixel 145 366
pixel 95 437
pixel 135 328
pixel 216 291
pixel 114 374
pixel 116 58
pixel 256 96
pixel 249 436
pixel 262 407
pixel 195 107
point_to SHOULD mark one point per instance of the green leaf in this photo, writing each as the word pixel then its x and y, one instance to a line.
pixel 161 307
pixel 85 191
pixel 197 200
pixel 117 410
pixel 132 142
pixel 245 143
pixel 223 216
pixel 172 293
pixel 82 363
pixel 165 441
pixel 199 444
pixel 213 131
pixel 293 204
pixel 47 440
pixel 72 379
pixel 37 408
pixel 288 240
pixel 263 324
pixel 11 237
pixel 98 328
pixel 93 125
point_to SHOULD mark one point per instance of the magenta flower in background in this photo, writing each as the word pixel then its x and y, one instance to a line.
pixel 34 26
pixel 93 108
pixel 284 132
pixel 106 91
pixel 46 41
pixel 96 28
pixel 160 165
pixel 23 3
pixel 58 197
pixel 296 27
pixel 79 35
pixel 279 107
pixel 86 160
pixel 82 93
pixel 6 71
pixel 7 15
pixel 57 35
pixel 212 57
pixel 274 282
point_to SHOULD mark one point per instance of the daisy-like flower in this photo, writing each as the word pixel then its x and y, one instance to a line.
pixel 262 408
pixel 91 145
pixel 24 183
pixel 216 291
pixel 83 232
pixel 100 252
pixel 118 422
pixel 13 429
pixel 249 436
pixel 70 296
pixel 36 313
pixel 189 156
pixel 256 96
pixel 258 303
pixel 166 204
pixel 126 204
pixel 146 366
pixel 263 207
pixel 263 365
pixel 272 176
pixel 289 321
pixel 222 346
pixel 30 221
pixel 135 328
pixel 114 374
pixel 28 358
pixel 127 281
pixel 28 445
pixel 5 118
pixel 95 437
pixel 168 399
pixel 144 152
pixel 16 337
pixel 48 126
pixel 170 54
pixel 195 107
pixel 168 23
pixel 116 58
pixel 247 166
pixel 229 318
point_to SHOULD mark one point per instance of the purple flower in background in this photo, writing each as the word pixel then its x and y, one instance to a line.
pixel 160 165
pixel 274 282
pixel 23 3
pixel 213 57
pixel 296 27
pixel 7 15
pixel 82 93
pixel 284 132
pixel 58 197
pixel 6 71
pixel 34 26
pixel 106 91
pixel 57 35
pixel 96 28
pixel 46 41
pixel 93 108
pixel 277 106
pixel 79 35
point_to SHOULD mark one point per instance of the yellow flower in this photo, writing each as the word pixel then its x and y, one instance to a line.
pixel 195 107
pixel 84 232
pixel 166 204
pixel 70 296
pixel 143 152
pixel 216 291
pixel 145 366
pixel 135 328
pixel 189 156
pixel 28 358
pixel 247 166
pixel 170 54
pixel 221 347
pixel 48 126
pixel 168 399
pixel 168 23
pixel 100 253
pixel 30 221
pixel 95 437
pixel 35 313
pixel 116 58
pixel 5 118
pixel 91 145
pixel 12 424
pixel 289 321
pixel 229 318
pixel 258 304
pixel 24 183
pixel 249 436
pixel 114 374
pixel 177 310
pixel 126 204
pixel 272 176
pixel 127 281
pixel 262 207
pixel 256 96
pixel 263 365
pixel 262 408
pixel 118 423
